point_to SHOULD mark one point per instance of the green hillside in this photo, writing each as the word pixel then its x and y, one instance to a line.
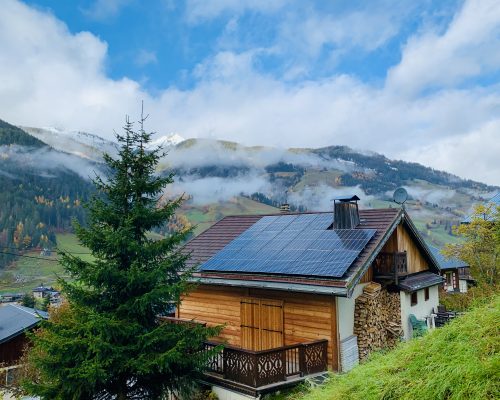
pixel 10 134
pixel 459 361
pixel 25 273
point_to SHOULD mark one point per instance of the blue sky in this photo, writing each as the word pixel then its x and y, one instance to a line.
pixel 161 44
pixel 413 80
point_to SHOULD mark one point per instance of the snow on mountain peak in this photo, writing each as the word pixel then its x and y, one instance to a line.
pixel 167 140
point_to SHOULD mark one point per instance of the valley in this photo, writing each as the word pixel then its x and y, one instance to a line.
pixel 45 178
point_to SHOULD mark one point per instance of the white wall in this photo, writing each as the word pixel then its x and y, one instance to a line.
pixel 421 310
pixel 345 312
pixel 226 394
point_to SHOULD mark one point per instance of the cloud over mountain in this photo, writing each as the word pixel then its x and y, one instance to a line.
pixel 438 105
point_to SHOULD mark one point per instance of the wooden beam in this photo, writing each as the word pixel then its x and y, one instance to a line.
pixel 335 338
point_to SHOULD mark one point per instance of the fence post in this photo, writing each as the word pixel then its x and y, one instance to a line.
pixel 302 360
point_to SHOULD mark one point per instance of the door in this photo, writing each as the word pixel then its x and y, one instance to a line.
pixel 261 323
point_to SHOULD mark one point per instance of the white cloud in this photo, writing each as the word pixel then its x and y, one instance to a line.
pixel 145 57
pixel 468 48
pixel 103 9
pixel 200 10
pixel 56 78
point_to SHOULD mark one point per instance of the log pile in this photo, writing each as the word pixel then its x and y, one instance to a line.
pixel 377 319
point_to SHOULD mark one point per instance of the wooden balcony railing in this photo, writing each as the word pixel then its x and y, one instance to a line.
pixel 390 265
pixel 260 368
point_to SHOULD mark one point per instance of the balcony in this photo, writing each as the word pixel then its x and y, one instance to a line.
pixel 390 266
pixel 252 372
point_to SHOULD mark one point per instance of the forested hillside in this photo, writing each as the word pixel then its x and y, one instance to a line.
pixel 36 200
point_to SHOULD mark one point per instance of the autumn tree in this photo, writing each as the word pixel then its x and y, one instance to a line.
pixel 109 341
pixel 480 247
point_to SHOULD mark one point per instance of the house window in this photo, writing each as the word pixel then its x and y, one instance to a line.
pixel 449 278
pixel 414 299
pixel 426 292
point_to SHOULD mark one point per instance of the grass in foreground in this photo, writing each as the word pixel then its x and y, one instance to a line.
pixel 458 361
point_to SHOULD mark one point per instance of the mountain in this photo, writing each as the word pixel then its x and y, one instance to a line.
pixel 81 144
pixel 42 191
pixel 167 141
pixel 47 172
pixel 213 171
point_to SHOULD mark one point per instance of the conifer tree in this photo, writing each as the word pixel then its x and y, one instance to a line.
pixel 108 341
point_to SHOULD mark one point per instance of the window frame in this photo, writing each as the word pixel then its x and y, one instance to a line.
pixel 426 294
pixel 413 298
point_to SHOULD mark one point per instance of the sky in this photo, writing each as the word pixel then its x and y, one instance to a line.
pixel 417 81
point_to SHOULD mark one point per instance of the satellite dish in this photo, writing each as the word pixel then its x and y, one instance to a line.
pixel 400 195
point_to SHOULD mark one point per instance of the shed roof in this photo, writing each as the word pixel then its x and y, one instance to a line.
pixel 447 263
pixel 419 281
pixel 15 319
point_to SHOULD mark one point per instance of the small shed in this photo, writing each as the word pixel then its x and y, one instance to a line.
pixel 15 321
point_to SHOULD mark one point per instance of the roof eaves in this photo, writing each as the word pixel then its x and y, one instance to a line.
pixel 357 277
pixel 20 332
pixel 283 286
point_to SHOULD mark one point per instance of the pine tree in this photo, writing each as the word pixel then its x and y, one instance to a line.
pixel 28 300
pixel 108 341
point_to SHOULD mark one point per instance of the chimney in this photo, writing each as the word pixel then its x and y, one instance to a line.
pixel 345 212
pixel 285 208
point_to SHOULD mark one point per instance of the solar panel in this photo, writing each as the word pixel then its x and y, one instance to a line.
pixel 292 245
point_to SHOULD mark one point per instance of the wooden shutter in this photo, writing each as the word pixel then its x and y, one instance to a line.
pixel 261 324
pixel 271 324
pixel 250 310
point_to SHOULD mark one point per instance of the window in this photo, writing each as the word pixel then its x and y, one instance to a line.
pixel 414 299
pixel 448 278
pixel 426 291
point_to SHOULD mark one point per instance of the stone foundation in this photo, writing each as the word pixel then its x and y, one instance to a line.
pixel 377 319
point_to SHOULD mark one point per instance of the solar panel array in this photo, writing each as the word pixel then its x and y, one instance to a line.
pixel 292 245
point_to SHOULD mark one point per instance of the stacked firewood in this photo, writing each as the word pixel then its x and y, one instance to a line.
pixel 377 319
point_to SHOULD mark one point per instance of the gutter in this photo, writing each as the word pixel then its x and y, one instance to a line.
pixel 287 287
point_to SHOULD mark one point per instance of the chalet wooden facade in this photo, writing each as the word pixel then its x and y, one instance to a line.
pixel 281 327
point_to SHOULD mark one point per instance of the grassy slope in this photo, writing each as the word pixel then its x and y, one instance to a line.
pixel 26 273
pixel 459 361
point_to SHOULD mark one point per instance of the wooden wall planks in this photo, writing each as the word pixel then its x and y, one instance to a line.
pixel 306 317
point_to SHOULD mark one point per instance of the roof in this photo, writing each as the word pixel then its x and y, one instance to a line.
pixel 15 319
pixel 383 221
pixel 494 201
pixel 208 243
pixel 419 281
pixel 43 289
pixel 447 263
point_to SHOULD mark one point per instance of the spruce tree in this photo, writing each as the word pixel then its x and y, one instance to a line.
pixel 108 341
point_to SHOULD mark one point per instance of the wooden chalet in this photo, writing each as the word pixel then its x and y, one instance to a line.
pixel 299 294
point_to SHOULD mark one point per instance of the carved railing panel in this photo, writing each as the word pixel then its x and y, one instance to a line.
pixel 271 367
pixel 315 357
pixel 240 366
pixel 259 368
